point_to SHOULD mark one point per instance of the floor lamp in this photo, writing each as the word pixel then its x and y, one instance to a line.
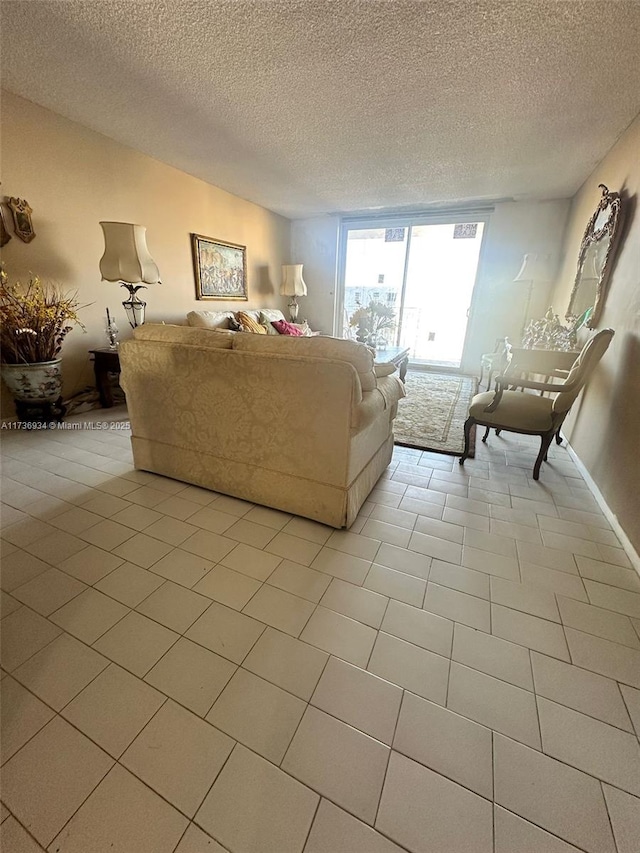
pixel 534 268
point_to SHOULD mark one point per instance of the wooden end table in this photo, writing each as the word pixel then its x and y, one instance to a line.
pixel 398 355
pixel 105 361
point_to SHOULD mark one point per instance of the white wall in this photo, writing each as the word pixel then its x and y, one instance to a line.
pixel 604 425
pixel 314 243
pixel 514 229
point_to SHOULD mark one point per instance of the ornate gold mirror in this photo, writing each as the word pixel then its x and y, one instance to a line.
pixel 595 259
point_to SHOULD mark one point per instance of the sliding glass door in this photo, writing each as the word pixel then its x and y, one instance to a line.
pixel 375 272
pixel 441 274
pixel 426 273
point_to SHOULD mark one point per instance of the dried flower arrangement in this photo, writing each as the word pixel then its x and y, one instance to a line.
pixel 34 320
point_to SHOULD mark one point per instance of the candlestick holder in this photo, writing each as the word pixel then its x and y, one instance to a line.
pixel 111 332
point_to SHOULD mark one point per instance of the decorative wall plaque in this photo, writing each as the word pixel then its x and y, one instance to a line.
pixel 22 224
pixel 4 234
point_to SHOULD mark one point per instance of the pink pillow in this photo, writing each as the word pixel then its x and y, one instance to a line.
pixel 285 328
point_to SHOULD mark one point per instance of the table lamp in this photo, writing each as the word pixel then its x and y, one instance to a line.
pixel 126 260
pixel 293 285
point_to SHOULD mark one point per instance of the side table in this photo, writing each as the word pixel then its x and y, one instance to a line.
pixel 105 361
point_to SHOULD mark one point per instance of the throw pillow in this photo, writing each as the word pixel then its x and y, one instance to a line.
pixel 249 324
pixel 210 319
pixel 267 317
pixel 285 328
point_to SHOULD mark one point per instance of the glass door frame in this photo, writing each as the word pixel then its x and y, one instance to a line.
pixel 451 216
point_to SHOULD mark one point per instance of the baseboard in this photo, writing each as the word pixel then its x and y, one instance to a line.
pixel 629 550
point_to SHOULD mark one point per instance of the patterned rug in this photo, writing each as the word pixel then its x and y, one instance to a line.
pixel 432 415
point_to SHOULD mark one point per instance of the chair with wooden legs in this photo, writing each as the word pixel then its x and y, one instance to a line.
pixel 530 414
pixel 495 362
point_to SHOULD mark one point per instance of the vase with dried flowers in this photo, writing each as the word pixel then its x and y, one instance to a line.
pixel 35 318
pixel 371 321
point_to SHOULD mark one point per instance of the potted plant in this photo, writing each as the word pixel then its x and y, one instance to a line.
pixel 34 320
pixel 371 321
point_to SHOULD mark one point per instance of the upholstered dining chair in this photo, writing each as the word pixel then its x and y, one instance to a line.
pixel 530 414
pixel 496 361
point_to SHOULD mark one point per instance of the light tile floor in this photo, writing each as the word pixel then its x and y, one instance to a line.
pixel 184 671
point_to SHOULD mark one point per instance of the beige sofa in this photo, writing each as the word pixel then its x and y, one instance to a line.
pixel 300 424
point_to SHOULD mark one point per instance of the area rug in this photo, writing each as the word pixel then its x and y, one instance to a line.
pixel 432 415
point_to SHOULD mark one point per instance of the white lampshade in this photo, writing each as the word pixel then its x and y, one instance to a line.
pixel 534 268
pixel 126 257
pixel 292 281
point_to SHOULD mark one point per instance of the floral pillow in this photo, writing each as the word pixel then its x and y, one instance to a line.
pixel 285 328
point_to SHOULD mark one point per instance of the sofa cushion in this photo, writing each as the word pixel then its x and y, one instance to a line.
pixel 515 410
pixel 211 338
pixel 336 349
pixel 209 319
pixel 249 324
pixel 285 328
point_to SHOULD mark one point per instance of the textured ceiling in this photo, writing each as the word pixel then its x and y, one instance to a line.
pixel 341 105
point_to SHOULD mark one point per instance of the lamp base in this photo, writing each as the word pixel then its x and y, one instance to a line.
pixel 293 310
pixel 134 307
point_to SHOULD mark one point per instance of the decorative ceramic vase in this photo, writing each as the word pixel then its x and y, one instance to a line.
pixel 34 383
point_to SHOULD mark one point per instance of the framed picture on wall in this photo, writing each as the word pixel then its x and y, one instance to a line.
pixel 220 269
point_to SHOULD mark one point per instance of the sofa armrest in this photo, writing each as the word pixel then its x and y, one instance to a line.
pixel 392 389
pixel 386 394
pixel 385 369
